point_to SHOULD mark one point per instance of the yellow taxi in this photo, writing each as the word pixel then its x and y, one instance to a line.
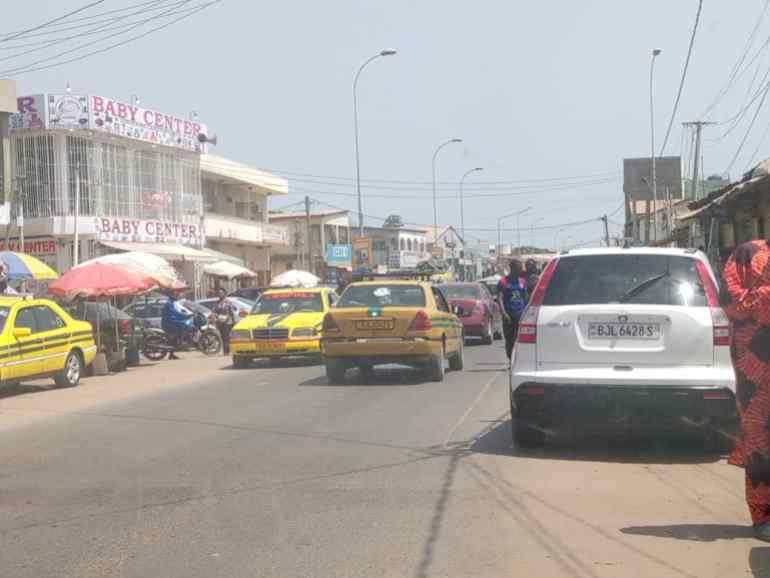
pixel 384 321
pixel 283 323
pixel 39 339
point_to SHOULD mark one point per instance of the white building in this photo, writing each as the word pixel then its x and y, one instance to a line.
pixel 397 247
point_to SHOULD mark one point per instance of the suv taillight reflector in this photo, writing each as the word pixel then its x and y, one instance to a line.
pixel 528 322
pixel 718 318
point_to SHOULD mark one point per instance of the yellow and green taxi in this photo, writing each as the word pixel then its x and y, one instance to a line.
pixel 283 323
pixel 406 322
pixel 39 339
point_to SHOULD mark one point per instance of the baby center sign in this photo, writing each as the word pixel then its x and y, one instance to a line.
pixel 146 231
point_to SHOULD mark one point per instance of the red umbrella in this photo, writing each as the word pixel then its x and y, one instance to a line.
pixel 99 280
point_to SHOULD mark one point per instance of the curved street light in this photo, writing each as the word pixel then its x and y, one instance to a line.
pixel 532 230
pixel 433 167
pixel 388 52
pixel 655 53
pixel 517 214
pixel 462 208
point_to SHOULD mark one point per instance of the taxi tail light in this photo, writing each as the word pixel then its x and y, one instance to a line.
pixel 421 322
pixel 329 324
pixel 718 317
pixel 243 313
pixel 528 322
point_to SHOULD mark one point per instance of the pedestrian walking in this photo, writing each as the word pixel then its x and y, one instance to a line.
pixel 225 319
pixel 512 298
pixel 746 300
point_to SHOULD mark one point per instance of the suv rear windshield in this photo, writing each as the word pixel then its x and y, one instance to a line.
pixel 382 296
pixel 630 278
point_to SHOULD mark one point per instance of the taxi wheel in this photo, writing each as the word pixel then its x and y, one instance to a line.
pixel 73 369
pixel 436 368
pixel 457 360
pixel 240 362
pixel 335 372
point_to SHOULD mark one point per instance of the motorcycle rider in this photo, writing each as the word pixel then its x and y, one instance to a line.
pixel 177 319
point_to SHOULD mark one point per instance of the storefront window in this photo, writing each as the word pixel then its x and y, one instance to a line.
pixel 344 236
pixel 35 172
pixel 80 154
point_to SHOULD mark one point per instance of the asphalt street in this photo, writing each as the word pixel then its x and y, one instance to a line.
pixel 272 472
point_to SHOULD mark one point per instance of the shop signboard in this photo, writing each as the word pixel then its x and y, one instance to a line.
pixel 35 246
pixel 68 111
pixel 410 259
pixel 146 231
pixel 31 112
pixel 394 260
pixel 362 252
pixel 127 120
pixel 338 254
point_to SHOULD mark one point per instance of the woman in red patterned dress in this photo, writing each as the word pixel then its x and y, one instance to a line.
pixel 747 303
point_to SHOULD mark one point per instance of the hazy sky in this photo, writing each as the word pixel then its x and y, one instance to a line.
pixel 537 90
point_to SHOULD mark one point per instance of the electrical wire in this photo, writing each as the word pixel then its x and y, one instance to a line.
pixel 123 28
pixel 684 76
pixel 102 50
pixel 748 132
pixel 21 33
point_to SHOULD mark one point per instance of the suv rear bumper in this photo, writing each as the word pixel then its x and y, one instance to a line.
pixel 563 400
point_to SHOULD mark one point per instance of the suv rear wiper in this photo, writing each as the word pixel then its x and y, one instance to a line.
pixel 634 291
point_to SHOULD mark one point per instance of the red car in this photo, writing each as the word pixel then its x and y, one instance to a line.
pixel 476 308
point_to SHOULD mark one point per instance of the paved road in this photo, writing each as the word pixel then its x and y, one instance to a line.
pixel 272 472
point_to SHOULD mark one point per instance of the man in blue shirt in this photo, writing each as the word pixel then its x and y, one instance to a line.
pixel 512 298
pixel 176 321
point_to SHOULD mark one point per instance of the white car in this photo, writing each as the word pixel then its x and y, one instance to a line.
pixel 621 332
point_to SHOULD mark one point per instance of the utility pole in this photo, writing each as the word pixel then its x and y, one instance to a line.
pixel 606 231
pixel 696 167
pixel 76 241
pixel 308 233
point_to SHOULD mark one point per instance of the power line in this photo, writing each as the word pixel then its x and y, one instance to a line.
pixel 42 45
pixel 49 22
pixel 684 76
pixel 78 58
pixel 748 131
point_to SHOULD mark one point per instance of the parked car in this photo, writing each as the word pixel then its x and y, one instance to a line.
pixel 242 306
pixel 249 293
pixel 38 339
pixel 622 333
pixel 477 310
pixel 150 310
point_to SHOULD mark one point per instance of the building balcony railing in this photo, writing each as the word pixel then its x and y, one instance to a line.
pixel 233 229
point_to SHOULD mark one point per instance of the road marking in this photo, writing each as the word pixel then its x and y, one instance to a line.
pixel 471 407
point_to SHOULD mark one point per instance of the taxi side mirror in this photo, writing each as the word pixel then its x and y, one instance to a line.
pixel 456 309
pixel 19 332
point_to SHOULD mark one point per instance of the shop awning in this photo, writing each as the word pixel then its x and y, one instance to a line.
pixel 220 256
pixel 228 270
pixel 170 251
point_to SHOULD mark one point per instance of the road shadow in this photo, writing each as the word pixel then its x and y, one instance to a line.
pixel 759 562
pixel 278 363
pixel 378 377
pixel 17 389
pixel 693 532
pixel 610 444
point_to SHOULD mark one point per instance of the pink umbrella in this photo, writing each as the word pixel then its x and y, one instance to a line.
pixel 98 280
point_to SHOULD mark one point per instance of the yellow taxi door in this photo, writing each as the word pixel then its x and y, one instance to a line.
pixel 55 336
pixel 448 321
pixel 25 350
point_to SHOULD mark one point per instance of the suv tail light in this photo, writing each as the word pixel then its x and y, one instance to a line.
pixel 329 324
pixel 528 322
pixel 421 322
pixel 719 319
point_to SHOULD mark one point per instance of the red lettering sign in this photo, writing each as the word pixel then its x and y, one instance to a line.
pixel 97 104
pixel 26 104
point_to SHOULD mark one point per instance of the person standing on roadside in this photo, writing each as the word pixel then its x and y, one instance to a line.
pixel 745 297
pixel 512 298
pixel 225 319
pixel 531 276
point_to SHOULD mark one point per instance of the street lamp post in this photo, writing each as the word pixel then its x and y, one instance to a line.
pixel 518 227
pixel 556 244
pixel 355 130
pixel 462 208
pixel 433 167
pixel 499 230
pixel 532 230
pixel 655 53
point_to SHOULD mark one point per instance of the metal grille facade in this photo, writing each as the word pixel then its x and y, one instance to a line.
pixel 118 177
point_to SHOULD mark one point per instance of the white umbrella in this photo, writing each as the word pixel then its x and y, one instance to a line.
pixel 228 270
pixel 295 278
pixel 143 264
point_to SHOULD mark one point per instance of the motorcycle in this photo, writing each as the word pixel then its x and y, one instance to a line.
pixel 201 336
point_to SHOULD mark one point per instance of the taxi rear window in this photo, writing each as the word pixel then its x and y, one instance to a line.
pixel 382 296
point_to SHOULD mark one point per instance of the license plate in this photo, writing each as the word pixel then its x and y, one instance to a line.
pixel 649 331
pixel 375 324
pixel 269 347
